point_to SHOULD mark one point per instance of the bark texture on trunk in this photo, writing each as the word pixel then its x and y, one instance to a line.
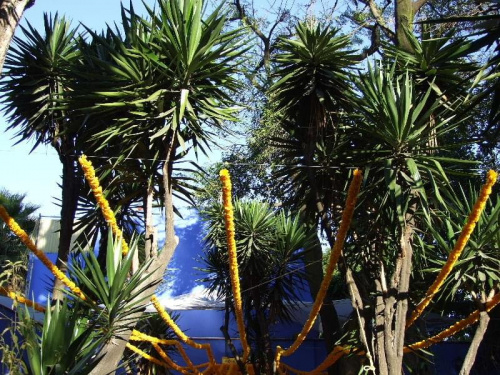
pixel 470 358
pixel 404 19
pixel 11 12
pixel 391 310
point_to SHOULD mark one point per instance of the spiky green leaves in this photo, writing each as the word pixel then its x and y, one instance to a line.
pixel 312 67
pixel 38 74
pixel 270 252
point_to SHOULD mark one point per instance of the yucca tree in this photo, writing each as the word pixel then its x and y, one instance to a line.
pixel 310 96
pixel 151 93
pixel 444 65
pixel 405 180
pixel 36 79
pixel 270 246
pixel 161 86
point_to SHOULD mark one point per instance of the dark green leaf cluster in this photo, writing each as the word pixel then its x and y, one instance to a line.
pixel 11 248
pixel 270 246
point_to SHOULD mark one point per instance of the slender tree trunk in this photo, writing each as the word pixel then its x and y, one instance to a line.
pixel 389 357
pixel 490 346
pixel 402 300
pixel 470 358
pixel 380 356
pixel 11 12
pixel 69 204
pixel 151 241
pixel 404 19
pixel 264 335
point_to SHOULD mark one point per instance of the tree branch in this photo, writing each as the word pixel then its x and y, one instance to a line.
pixel 379 19
pixel 418 4
pixel 470 358
pixel 11 12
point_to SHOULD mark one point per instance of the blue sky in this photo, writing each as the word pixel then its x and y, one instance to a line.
pixel 38 173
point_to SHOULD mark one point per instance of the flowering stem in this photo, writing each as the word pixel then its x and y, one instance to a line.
pixel 458 248
pixel 347 214
pixel 233 259
pixel 457 327
pixel 182 336
pixel 19 298
pixel 26 240
pixel 108 214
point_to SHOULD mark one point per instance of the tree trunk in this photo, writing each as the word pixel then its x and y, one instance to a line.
pixel 69 204
pixel 490 346
pixel 395 308
pixel 151 242
pixel 404 19
pixel 264 335
pixel 470 358
pixel 11 12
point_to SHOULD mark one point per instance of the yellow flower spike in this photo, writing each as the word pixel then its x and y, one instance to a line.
pixel 145 355
pixel 19 298
pixel 233 259
pixel 467 230
pixel 93 181
pixel 171 363
pixel 26 240
pixel 139 336
pixel 352 196
pixel 457 327
pixel 182 336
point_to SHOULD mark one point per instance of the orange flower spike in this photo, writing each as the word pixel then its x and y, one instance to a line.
pixel 467 230
pixel 233 259
pixel 457 327
pixel 19 298
pixel 93 181
pixel 26 240
pixel 172 364
pixel 145 355
pixel 352 196
pixel 182 336
pixel 139 336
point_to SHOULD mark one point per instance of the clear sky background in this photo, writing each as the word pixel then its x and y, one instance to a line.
pixel 38 173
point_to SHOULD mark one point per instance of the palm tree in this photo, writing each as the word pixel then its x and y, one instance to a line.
pixel 153 92
pixel 38 75
pixel 270 246
pixel 311 95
